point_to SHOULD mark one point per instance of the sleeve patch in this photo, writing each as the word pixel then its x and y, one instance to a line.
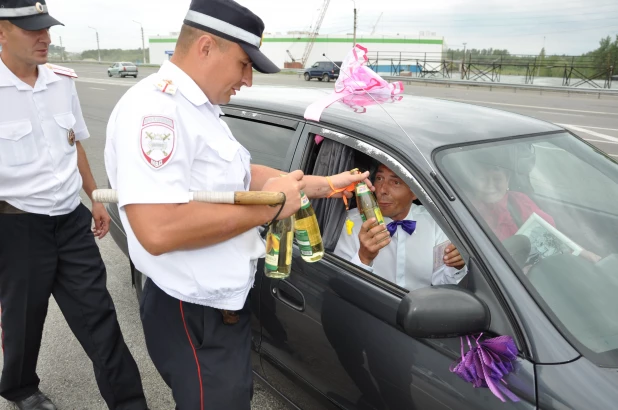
pixel 157 140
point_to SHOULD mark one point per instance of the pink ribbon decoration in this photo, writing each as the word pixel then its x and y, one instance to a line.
pixel 356 80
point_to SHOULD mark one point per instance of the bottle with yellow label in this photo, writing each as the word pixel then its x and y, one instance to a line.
pixel 307 232
pixel 279 243
pixel 367 204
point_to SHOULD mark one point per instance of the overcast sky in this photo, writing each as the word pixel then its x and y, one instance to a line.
pixel 569 26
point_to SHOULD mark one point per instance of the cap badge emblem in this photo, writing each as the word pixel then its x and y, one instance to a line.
pixel 39 7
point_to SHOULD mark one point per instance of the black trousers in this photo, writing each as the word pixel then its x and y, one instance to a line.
pixel 42 256
pixel 206 363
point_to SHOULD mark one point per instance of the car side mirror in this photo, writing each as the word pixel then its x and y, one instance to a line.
pixel 441 312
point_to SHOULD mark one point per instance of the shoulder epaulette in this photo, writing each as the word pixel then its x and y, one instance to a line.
pixel 69 72
pixel 166 86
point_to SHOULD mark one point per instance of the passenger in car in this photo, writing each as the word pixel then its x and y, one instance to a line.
pixel 403 251
pixel 505 211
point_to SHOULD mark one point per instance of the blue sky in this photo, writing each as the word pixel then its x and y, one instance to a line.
pixel 523 26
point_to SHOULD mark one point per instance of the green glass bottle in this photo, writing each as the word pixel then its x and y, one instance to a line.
pixel 307 232
pixel 367 204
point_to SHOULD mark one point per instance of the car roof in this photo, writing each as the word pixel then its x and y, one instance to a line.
pixel 430 122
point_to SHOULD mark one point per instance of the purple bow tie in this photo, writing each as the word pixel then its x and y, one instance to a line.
pixel 408 226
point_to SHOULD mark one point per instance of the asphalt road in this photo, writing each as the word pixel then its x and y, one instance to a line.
pixel 65 371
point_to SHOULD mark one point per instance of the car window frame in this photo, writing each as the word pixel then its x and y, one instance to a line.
pixel 249 114
pixel 606 359
pixel 426 192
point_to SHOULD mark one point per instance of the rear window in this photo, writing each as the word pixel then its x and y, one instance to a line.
pixel 128 64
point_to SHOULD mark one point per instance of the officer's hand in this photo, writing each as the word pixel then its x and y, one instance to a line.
pixel 101 220
pixel 290 185
pixel 452 257
pixel 344 179
pixel 372 239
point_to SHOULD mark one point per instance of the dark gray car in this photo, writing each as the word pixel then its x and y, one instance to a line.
pixel 542 268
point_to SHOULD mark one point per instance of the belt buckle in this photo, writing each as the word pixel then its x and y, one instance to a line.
pixel 230 317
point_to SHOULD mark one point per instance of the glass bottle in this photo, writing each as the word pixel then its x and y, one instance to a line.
pixel 367 204
pixel 279 242
pixel 307 232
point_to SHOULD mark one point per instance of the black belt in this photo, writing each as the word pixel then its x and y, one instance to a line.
pixel 6 208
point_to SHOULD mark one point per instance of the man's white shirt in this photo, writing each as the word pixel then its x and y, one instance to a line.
pixel 38 164
pixel 161 145
pixel 408 260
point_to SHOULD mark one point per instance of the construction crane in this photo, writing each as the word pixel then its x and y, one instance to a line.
pixel 376 25
pixel 291 57
pixel 314 33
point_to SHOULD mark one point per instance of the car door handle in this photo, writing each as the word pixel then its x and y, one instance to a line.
pixel 288 294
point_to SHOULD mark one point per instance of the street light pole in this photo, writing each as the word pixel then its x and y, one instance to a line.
pixel 98 47
pixel 61 50
pixel 463 63
pixel 353 1
pixel 143 42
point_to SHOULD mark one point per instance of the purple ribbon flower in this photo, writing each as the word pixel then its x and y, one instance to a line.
pixel 487 364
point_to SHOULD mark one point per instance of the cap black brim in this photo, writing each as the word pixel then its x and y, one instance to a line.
pixel 36 22
pixel 259 60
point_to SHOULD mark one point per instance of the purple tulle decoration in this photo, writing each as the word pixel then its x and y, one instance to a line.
pixel 487 363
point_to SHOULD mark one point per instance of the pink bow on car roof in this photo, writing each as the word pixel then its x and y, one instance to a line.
pixel 355 78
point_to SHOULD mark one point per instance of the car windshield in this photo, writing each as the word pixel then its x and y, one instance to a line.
pixel 550 204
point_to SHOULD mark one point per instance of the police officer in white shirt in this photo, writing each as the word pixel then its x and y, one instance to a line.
pixel 47 245
pixel 165 138
pixel 404 252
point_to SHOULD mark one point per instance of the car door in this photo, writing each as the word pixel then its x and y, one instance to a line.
pixel 331 339
pixel 115 69
pixel 315 70
pixel 271 140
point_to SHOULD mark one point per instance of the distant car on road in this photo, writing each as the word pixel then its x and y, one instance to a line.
pixel 323 71
pixel 123 70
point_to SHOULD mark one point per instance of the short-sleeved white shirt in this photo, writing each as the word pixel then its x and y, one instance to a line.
pixel 38 165
pixel 417 252
pixel 159 148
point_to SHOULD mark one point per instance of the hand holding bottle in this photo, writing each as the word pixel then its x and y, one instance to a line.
pixel 291 185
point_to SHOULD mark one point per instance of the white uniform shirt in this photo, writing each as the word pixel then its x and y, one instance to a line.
pixel 38 165
pixel 161 146
pixel 408 259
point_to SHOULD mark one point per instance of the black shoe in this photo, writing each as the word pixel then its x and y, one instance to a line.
pixel 38 401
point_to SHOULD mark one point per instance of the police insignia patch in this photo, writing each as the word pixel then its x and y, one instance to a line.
pixel 157 140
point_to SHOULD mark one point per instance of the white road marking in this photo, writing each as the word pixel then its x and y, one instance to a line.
pixel 604 142
pixel 613 155
pixel 94 88
pixel 533 106
pixel 560 113
pixel 593 133
pixel 106 82
pixel 595 128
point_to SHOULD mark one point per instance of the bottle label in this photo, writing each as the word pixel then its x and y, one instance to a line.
pixel 362 189
pixel 310 226
pixel 272 255
pixel 304 202
pixel 302 238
